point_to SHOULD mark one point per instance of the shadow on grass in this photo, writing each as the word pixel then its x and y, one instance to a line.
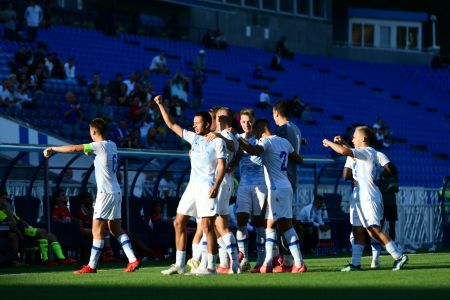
pixel 157 292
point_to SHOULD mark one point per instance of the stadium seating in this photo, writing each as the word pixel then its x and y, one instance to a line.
pixel 413 100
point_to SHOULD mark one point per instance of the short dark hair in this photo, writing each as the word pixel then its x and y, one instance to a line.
pixel 368 133
pixel 283 107
pixel 206 117
pixel 99 125
pixel 261 122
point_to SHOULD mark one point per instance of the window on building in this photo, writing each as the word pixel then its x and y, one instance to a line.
pixel 368 34
pixel 319 8
pixel 287 6
pixel 356 34
pixel 252 3
pixel 385 37
pixel 413 35
pixel 303 7
pixel 269 4
pixel 401 37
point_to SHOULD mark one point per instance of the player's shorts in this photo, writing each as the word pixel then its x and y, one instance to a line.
pixel 226 189
pixel 370 213
pixel 30 231
pixel 108 206
pixel 250 199
pixel 196 203
pixel 279 204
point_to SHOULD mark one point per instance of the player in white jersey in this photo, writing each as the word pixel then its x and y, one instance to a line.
pixel 107 208
pixel 275 153
pixel 288 130
pixel 251 195
pixel 200 197
pixel 357 237
pixel 371 204
pixel 225 237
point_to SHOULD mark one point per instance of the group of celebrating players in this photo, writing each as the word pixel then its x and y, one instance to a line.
pixel 267 164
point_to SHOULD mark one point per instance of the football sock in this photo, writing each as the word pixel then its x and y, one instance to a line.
pixel 260 245
pixel 56 247
pixel 124 240
pixel 376 249
pixel 271 240
pixel 242 240
pixel 223 254
pixel 96 250
pixel 211 261
pixel 231 247
pixel 357 251
pixel 393 250
pixel 43 247
pixel 204 251
pixel 196 251
pixel 294 246
pixel 180 258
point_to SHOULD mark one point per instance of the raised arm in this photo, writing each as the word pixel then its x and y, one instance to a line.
pixel 63 149
pixel 338 148
pixel 167 118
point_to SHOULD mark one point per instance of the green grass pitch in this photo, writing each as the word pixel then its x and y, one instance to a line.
pixel 426 276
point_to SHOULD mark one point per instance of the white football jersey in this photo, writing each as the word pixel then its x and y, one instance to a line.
pixel 204 156
pixel 350 163
pixel 105 164
pixel 275 159
pixel 251 168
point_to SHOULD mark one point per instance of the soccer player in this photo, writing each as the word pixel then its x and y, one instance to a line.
pixel 200 197
pixel 225 238
pixel 288 130
pixel 357 237
pixel 251 195
pixel 370 209
pixel 107 208
pixel 275 153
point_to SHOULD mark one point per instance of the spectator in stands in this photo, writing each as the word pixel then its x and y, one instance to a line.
pixel 139 92
pixel 37 78
pixel 137 111
pixel 22 229
pixel 146 124
pixel 199 63
pixel 152 140
pixel 96 91
pixel 107 111
pixel 130 82
pixel 312 219
pixel 220 40
pixel 9 17
pixel 280 47
pixel 167 186
pixel 150 93
pixel 275 63
pixel 113 87
pixel 382 134
pixel 122 97
pixel 55 66
pixel 122 134
pixel 22 99
pixel 6 94
pixel 159 64
pixel 264 98
pixel 178 87
pixel 70 70
pixel 198 80
pixel 207 40
pixel 146 78
pixel 39 55
pixel 301 110
pixel 22 58
pixel 34 17
pixel 71 116
pixel 258 74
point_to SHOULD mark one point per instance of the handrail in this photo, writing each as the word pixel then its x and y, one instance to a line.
pixel 146 153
